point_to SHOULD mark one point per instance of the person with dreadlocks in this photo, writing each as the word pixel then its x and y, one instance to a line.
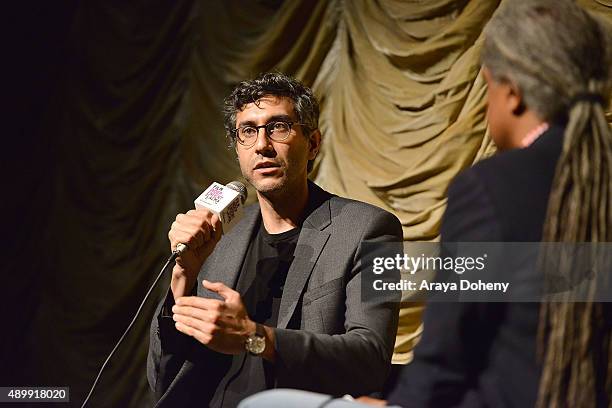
pixel 547 67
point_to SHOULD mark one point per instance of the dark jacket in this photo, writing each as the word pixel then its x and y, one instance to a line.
pixel 484 354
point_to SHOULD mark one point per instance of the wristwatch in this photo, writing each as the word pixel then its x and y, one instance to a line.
pixel 256 342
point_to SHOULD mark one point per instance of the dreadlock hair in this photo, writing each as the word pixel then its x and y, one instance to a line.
pixel 272 84
pixel 559 56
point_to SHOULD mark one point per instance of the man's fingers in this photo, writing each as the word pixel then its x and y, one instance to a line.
pixel 204 327
pixel 179 237
pixel 200 336
pixel 217 227
pixel 372 401
pixel 205 315
pixel 201 303
pixel 193 228
pixel 221 289
pixel 192 235
pixel 194 223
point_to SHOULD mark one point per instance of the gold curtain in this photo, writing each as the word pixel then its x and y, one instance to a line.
pixel 138 134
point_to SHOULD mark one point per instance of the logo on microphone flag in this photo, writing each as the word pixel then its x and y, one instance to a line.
pixel 223 201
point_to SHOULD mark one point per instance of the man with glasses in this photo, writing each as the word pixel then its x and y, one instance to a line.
pixel 277 301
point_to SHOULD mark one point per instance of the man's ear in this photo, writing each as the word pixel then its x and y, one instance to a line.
pixel 515 99
pixel 314 140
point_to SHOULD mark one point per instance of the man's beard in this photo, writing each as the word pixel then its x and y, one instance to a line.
pixel 278 186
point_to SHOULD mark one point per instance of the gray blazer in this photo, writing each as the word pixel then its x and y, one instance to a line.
pixel 344 344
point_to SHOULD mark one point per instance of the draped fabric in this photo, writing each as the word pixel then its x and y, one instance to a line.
pixel 132 132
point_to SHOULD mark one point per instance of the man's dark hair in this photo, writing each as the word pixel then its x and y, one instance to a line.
pixel 275 84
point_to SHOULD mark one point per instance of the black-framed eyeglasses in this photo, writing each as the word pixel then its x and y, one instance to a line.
pixel 277 131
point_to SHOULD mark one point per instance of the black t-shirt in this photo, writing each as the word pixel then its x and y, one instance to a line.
pixel 261 283
pixel 264 271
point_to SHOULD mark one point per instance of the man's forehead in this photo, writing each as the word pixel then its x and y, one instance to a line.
pixel 273 102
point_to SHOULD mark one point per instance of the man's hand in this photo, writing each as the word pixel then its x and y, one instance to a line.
pixel 200 230
pixel 221 325
pixel 372 401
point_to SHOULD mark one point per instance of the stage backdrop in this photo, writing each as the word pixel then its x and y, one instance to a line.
pixel 125 131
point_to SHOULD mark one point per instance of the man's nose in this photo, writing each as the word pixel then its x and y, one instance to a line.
pixel 263 143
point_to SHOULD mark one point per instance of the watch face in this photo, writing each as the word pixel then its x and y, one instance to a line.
pixel 256 344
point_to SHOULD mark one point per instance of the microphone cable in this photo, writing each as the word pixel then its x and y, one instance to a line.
pixel 180 248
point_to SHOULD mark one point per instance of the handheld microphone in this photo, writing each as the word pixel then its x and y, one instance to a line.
pixel 224 201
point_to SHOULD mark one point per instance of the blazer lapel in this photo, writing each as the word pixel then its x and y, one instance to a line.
pixel 231 251
pixel 311 242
